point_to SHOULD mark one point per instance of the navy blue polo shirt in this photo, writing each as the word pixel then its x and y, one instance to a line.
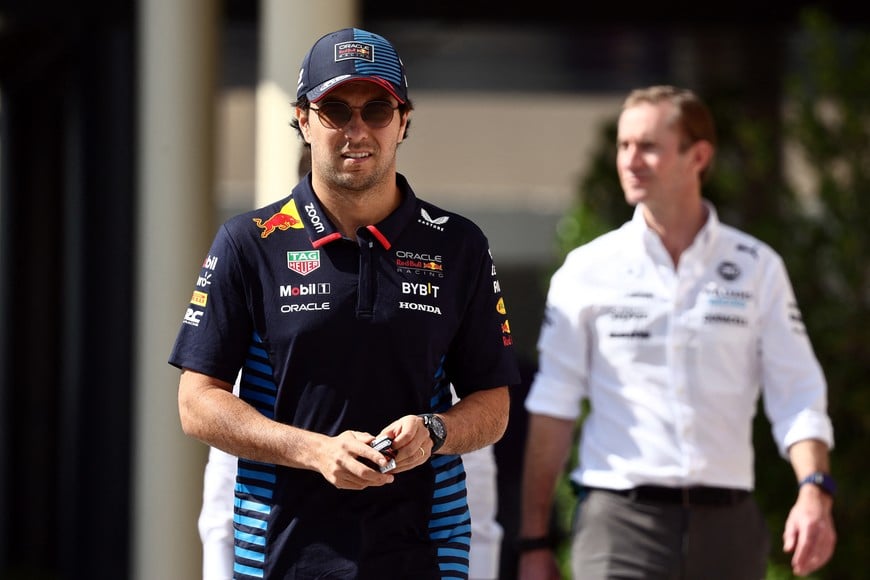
pixel 334 334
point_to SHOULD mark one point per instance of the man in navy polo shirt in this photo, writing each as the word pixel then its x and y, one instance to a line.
pixel 350 307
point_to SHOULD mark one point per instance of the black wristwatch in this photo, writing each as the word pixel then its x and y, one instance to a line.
pixel 823 480
pixel 437 431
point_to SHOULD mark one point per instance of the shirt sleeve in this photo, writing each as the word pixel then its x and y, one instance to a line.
pixel 794 385
pixel 217 326
pixel 563 349
pixel 482 354
pixel 486 532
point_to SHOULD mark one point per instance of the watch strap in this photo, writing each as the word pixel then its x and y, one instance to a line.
pixel 822 480
pixel 531 544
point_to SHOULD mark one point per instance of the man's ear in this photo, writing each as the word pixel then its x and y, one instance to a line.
pixel 304 117
pixel 703 154
pixel 406 118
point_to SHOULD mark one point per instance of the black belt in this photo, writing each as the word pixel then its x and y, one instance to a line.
pixel 685 496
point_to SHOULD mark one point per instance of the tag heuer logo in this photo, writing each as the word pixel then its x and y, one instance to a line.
pixel 303 262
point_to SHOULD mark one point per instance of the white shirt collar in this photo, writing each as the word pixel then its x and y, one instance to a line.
pixel 700 247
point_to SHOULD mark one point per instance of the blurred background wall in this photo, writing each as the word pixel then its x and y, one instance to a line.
pixel 129 130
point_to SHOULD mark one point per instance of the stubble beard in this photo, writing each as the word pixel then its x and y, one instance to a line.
pixel 355 181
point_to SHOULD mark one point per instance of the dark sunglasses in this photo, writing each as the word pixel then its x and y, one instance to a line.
pixel 336 114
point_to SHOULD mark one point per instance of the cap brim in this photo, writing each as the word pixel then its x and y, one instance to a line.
pixel 323 89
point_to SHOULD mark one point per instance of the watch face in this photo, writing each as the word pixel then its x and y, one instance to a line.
pixel 437 430
pixel 437 426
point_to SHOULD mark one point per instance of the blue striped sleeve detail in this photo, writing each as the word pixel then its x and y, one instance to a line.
pixel 448 532
pixel 267 476
pixel 245 538
pixel 260 382
pixel 465 540
pixel 453 567
pixel 247 571
pixel 251 555
pixel 456 504
pixel 258 366
pixel 254 490
pixel 250 522
pixel 450 490
pixel 449 473
pixel 452 552
pixel 254 506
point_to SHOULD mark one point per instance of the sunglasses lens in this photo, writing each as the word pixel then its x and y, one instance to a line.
pixel 378 114
pixel 335 114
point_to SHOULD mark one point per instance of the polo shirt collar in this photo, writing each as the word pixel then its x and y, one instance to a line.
pixel 322 231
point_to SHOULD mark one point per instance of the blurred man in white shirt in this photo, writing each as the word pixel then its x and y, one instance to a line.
pixel 671 327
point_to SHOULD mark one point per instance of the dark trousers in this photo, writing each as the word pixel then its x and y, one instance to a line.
pixel 620 537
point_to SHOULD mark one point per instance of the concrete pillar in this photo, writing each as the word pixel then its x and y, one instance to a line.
pixel 288 28
pixel 177 63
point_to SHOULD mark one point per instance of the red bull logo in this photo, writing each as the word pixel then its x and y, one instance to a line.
pixel 286 218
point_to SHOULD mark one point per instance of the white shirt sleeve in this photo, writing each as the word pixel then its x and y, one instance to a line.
pixel 795 388
pixel 486 532
pixel 561 381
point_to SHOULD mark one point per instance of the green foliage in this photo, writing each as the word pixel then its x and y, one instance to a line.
pixel 601 205
pixel 820 225
pixel 828 255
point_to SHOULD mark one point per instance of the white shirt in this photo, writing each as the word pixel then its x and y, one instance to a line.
pixel 672 361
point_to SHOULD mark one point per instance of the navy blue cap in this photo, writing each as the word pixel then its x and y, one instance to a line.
pixel 351 54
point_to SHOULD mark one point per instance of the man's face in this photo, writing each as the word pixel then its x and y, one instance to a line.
pixel 356 156
pixel 651 166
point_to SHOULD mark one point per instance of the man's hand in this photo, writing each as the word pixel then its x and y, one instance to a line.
pixel 809 531
pixel 339 461
pixel 411 442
